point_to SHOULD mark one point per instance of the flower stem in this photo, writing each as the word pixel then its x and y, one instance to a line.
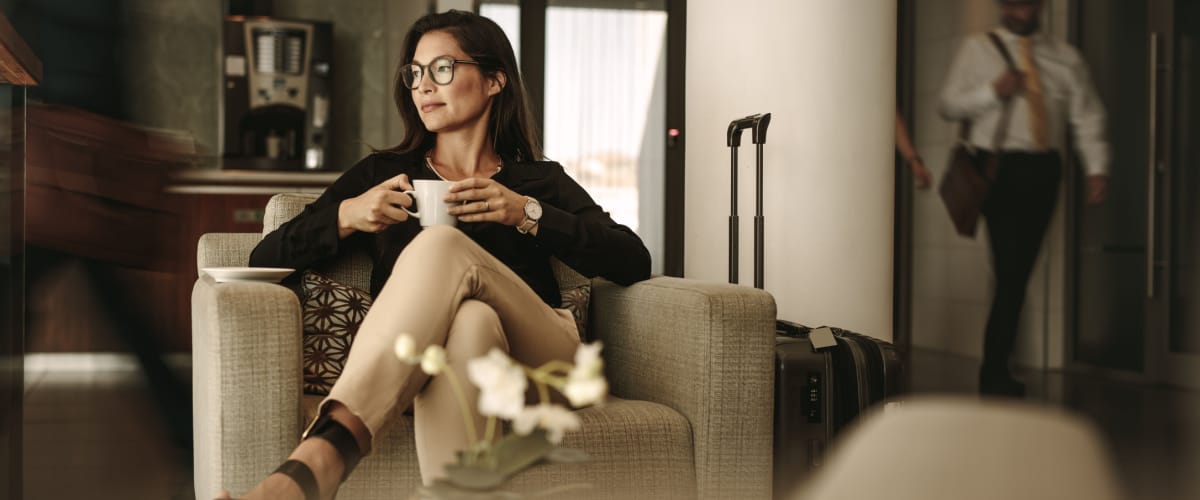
pixel 556 364
pixel 540 377
pixel 491 429
pixel 472 435
pixel 544 376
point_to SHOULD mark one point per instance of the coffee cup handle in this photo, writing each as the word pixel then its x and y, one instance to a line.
pixel 413 195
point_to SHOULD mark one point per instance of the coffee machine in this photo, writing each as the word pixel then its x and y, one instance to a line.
pixel 276 82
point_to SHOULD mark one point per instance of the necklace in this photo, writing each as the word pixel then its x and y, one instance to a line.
pixel 429 162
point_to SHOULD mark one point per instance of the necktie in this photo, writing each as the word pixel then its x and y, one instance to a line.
pixel 1033 96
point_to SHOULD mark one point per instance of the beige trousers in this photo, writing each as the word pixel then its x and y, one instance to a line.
pixel 444 289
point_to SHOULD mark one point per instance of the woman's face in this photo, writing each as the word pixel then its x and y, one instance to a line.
pixel 460 104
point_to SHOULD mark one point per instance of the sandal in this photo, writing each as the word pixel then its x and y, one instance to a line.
pixel 298 472
pixel 342 440
pixel 340 437
pixel 303 476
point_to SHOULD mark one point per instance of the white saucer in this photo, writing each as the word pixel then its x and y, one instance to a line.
pixel 266 274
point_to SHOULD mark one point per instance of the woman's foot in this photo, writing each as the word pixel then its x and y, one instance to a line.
pixel 341 438
pixel 320 457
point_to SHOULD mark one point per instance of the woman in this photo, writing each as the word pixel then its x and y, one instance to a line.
pixel 487 283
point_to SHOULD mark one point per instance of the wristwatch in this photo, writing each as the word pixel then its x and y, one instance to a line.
pixel 533 213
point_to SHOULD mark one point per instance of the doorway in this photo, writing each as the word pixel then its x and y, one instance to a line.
pixel 1136 283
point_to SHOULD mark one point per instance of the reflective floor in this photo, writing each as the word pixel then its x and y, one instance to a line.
pixel 96 433
pixel 1153 431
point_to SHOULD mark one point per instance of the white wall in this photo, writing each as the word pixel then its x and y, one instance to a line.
pixel 826 72
pixel 445 5
pixel 952 279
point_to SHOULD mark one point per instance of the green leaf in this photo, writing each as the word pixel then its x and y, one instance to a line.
pixel 509 456
pixel 560 455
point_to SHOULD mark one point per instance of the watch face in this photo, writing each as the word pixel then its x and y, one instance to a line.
pixel 533 209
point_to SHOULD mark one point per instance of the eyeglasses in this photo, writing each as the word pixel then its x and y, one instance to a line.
pixel 440 69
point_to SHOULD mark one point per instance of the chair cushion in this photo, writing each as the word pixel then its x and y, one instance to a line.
pixel 332 312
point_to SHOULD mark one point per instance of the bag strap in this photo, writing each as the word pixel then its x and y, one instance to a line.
pixel 1003 50
pixel 964 128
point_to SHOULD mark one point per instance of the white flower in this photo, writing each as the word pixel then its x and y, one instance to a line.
pixel 553 418
pixel 587 360
pixel 582 392
pixel 585 383
pixel 406 348
pixel 434 359
pixel 501 384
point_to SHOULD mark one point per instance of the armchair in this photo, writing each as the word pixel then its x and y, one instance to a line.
pixel 689 364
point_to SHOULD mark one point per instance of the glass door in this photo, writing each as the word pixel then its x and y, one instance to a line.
pixel 1137 305
pixel 1180 157
pixel 1110 254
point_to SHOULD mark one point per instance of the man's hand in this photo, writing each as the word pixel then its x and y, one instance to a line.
pixel 1009 84
pixel 1097 188
pixel 921 175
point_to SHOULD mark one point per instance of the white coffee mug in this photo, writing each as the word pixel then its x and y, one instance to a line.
pixel 431 209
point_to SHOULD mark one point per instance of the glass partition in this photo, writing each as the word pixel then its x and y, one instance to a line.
pixel 18 68
pixel 12 285
pixel 605 107
pixel 604 102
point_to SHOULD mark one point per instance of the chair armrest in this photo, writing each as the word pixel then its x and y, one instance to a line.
pixel 706 350
pixel 246 382
pixel 225 249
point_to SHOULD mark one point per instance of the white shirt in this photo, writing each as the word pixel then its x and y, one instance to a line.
pixel 1067 93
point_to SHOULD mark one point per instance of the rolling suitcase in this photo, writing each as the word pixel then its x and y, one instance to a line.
pixel 825 376
pixel 818 391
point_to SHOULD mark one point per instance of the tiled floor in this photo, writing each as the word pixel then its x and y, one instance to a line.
pixel 96 433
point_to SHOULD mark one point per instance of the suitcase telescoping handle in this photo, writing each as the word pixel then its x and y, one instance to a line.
pixel 757 123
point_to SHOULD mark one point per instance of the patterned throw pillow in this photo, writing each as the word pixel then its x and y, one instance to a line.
pixel 576 299
pixel 332 312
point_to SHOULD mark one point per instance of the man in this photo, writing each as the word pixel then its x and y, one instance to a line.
pixel 1049 89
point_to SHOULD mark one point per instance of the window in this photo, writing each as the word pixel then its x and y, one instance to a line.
pixel 604 103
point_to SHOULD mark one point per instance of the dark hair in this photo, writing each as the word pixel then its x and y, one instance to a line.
pixel 511 122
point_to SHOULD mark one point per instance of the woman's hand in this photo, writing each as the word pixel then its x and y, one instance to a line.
pixel 376 209
pixel 486 200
